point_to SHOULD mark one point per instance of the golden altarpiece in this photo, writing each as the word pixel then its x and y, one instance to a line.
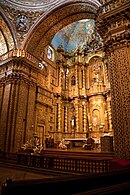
pixel 73 95
pixel 82 97
pixel 72 98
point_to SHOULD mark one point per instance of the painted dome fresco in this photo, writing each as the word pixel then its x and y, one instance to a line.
pixel 81 34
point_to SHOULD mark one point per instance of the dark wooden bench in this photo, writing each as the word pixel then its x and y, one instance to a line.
pixel 67 185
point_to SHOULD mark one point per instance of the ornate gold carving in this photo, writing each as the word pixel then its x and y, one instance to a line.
pixel 119 79
pixel 109 6
pixel 115 30
pixel 38 41
pixel 29 18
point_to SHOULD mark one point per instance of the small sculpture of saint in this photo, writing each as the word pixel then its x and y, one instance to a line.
pixel 22 23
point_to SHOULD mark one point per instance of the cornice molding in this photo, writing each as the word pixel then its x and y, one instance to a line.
pixel 111 12
pixel 119 41
pixel 16 77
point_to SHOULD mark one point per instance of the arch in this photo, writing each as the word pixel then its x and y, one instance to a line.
pixel 96 59
pixel 8 39
pixel 52 21
pixel 96 67
pixel 50 53
pixel 96 117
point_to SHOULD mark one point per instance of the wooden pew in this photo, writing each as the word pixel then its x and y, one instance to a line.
pixel 69 185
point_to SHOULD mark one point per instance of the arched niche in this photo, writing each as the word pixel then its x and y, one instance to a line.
pixel 96 70
pixel 51 22
pixel 96 117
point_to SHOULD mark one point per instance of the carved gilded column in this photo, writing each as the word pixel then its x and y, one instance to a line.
pixel 77 114
pixel 66 118
pixel 59 117
pixel 106 76
pixel 60 79
pixel 80 78
pixel 77 80
pixel 66 80
pixel 83 82
pixel 115 30
pixel 109 115
pixel 84 117
pixel 119 79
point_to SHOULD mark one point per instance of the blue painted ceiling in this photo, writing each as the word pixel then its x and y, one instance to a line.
pixel 79 34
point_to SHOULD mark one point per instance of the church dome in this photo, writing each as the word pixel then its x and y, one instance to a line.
pixel 81 34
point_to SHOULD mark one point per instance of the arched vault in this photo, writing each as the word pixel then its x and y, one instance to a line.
pixel 55 19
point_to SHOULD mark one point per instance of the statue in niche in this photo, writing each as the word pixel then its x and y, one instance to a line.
pixel 96 118
pixel 22 23
pixel 73 122
pixel 97 71
pixel 73 80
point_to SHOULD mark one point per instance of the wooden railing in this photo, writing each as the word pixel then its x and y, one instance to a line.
pixel 60 161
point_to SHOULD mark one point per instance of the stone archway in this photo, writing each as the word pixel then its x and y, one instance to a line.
pixel 51 22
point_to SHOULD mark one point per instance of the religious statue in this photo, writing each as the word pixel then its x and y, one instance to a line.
pixel 22 23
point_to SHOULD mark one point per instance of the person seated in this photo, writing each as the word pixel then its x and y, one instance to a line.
pixel 36 150
pixel 90 144
pixel 62 145
pixel 27 145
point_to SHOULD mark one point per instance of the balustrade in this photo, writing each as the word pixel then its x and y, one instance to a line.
pixel 68 163
pixel 19 53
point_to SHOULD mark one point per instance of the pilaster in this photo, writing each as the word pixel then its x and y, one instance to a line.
pixel 18 93
pixel 114 27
